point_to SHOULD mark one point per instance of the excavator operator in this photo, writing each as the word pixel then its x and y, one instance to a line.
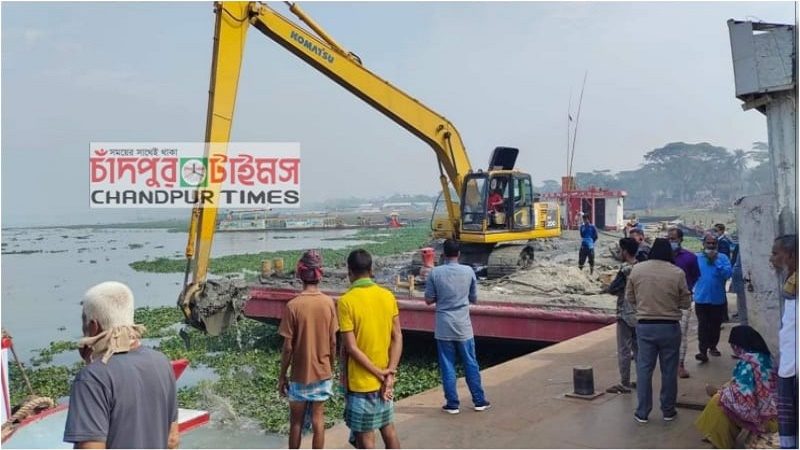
pixel 496 201
pixel 496 208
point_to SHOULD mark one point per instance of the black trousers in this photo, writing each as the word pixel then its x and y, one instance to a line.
pixel 583 254
pixel 709 323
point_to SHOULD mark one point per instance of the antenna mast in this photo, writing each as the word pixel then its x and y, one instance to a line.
pixel 577 121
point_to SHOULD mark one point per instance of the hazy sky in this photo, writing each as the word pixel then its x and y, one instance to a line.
pixel 503 73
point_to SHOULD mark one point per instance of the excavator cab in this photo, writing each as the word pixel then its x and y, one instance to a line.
pixel 497 201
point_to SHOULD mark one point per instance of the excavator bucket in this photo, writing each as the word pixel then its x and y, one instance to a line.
pixel 217 305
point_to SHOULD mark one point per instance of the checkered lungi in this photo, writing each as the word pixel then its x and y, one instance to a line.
pixel 367 411
pixel 787 411
pixel 319 391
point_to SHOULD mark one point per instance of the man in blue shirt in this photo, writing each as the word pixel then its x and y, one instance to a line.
pixel 709 296
pixel 452 287
pixel 588 238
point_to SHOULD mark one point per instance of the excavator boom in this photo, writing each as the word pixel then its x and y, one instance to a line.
pixel 344 68
pixel 230 32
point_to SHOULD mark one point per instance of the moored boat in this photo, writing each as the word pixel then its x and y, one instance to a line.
pixel 39 423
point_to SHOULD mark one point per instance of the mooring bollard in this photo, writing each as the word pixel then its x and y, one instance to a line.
pixel 583 380
pixel 266 268
pixel 277 265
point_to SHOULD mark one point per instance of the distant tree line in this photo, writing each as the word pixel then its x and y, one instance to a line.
pixel 680 174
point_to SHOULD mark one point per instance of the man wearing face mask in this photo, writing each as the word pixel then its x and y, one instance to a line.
pixel 709 297
pixel 644 248
pixel 125 396
pixel 687 261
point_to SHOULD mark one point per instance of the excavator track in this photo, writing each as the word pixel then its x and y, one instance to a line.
pixel 507 259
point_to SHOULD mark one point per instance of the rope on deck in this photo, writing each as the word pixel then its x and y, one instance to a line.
pixel 31 406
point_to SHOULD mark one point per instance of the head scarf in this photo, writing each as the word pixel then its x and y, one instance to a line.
pixel 749 398
pixel 309 267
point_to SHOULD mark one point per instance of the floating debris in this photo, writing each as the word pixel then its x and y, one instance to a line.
pixel 22 252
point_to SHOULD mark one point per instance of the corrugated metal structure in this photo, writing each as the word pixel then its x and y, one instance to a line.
pixel 765 73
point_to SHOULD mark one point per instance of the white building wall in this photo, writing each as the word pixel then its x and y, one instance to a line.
pixel 614 212
pixel 756 229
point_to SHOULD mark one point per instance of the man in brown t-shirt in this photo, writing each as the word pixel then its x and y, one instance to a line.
pixel 309 328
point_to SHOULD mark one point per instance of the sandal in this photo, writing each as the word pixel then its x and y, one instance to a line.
pixel 618 389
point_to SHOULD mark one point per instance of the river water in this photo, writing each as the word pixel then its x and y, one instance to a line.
pixel 46 271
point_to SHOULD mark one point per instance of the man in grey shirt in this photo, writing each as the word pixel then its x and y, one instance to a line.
pixel 452 287
pixel 125 397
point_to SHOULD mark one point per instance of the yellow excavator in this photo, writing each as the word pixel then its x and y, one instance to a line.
pixel 492 212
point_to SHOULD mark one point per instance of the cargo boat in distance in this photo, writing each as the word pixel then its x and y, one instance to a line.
pixel 258 220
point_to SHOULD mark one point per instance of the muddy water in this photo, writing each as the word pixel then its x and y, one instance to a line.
pixel 43 285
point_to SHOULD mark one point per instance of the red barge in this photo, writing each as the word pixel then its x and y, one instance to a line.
pixel 496 319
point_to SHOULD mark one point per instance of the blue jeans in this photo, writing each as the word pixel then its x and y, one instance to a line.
pixel 662 342
pixel 447 367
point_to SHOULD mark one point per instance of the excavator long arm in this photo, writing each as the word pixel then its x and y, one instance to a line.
pixel 346 70
pixel 230 32
pixel 330 58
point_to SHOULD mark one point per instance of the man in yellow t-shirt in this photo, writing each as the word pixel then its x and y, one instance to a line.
pixel 369 322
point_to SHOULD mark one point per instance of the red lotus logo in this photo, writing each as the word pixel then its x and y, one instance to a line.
pixel 101 152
